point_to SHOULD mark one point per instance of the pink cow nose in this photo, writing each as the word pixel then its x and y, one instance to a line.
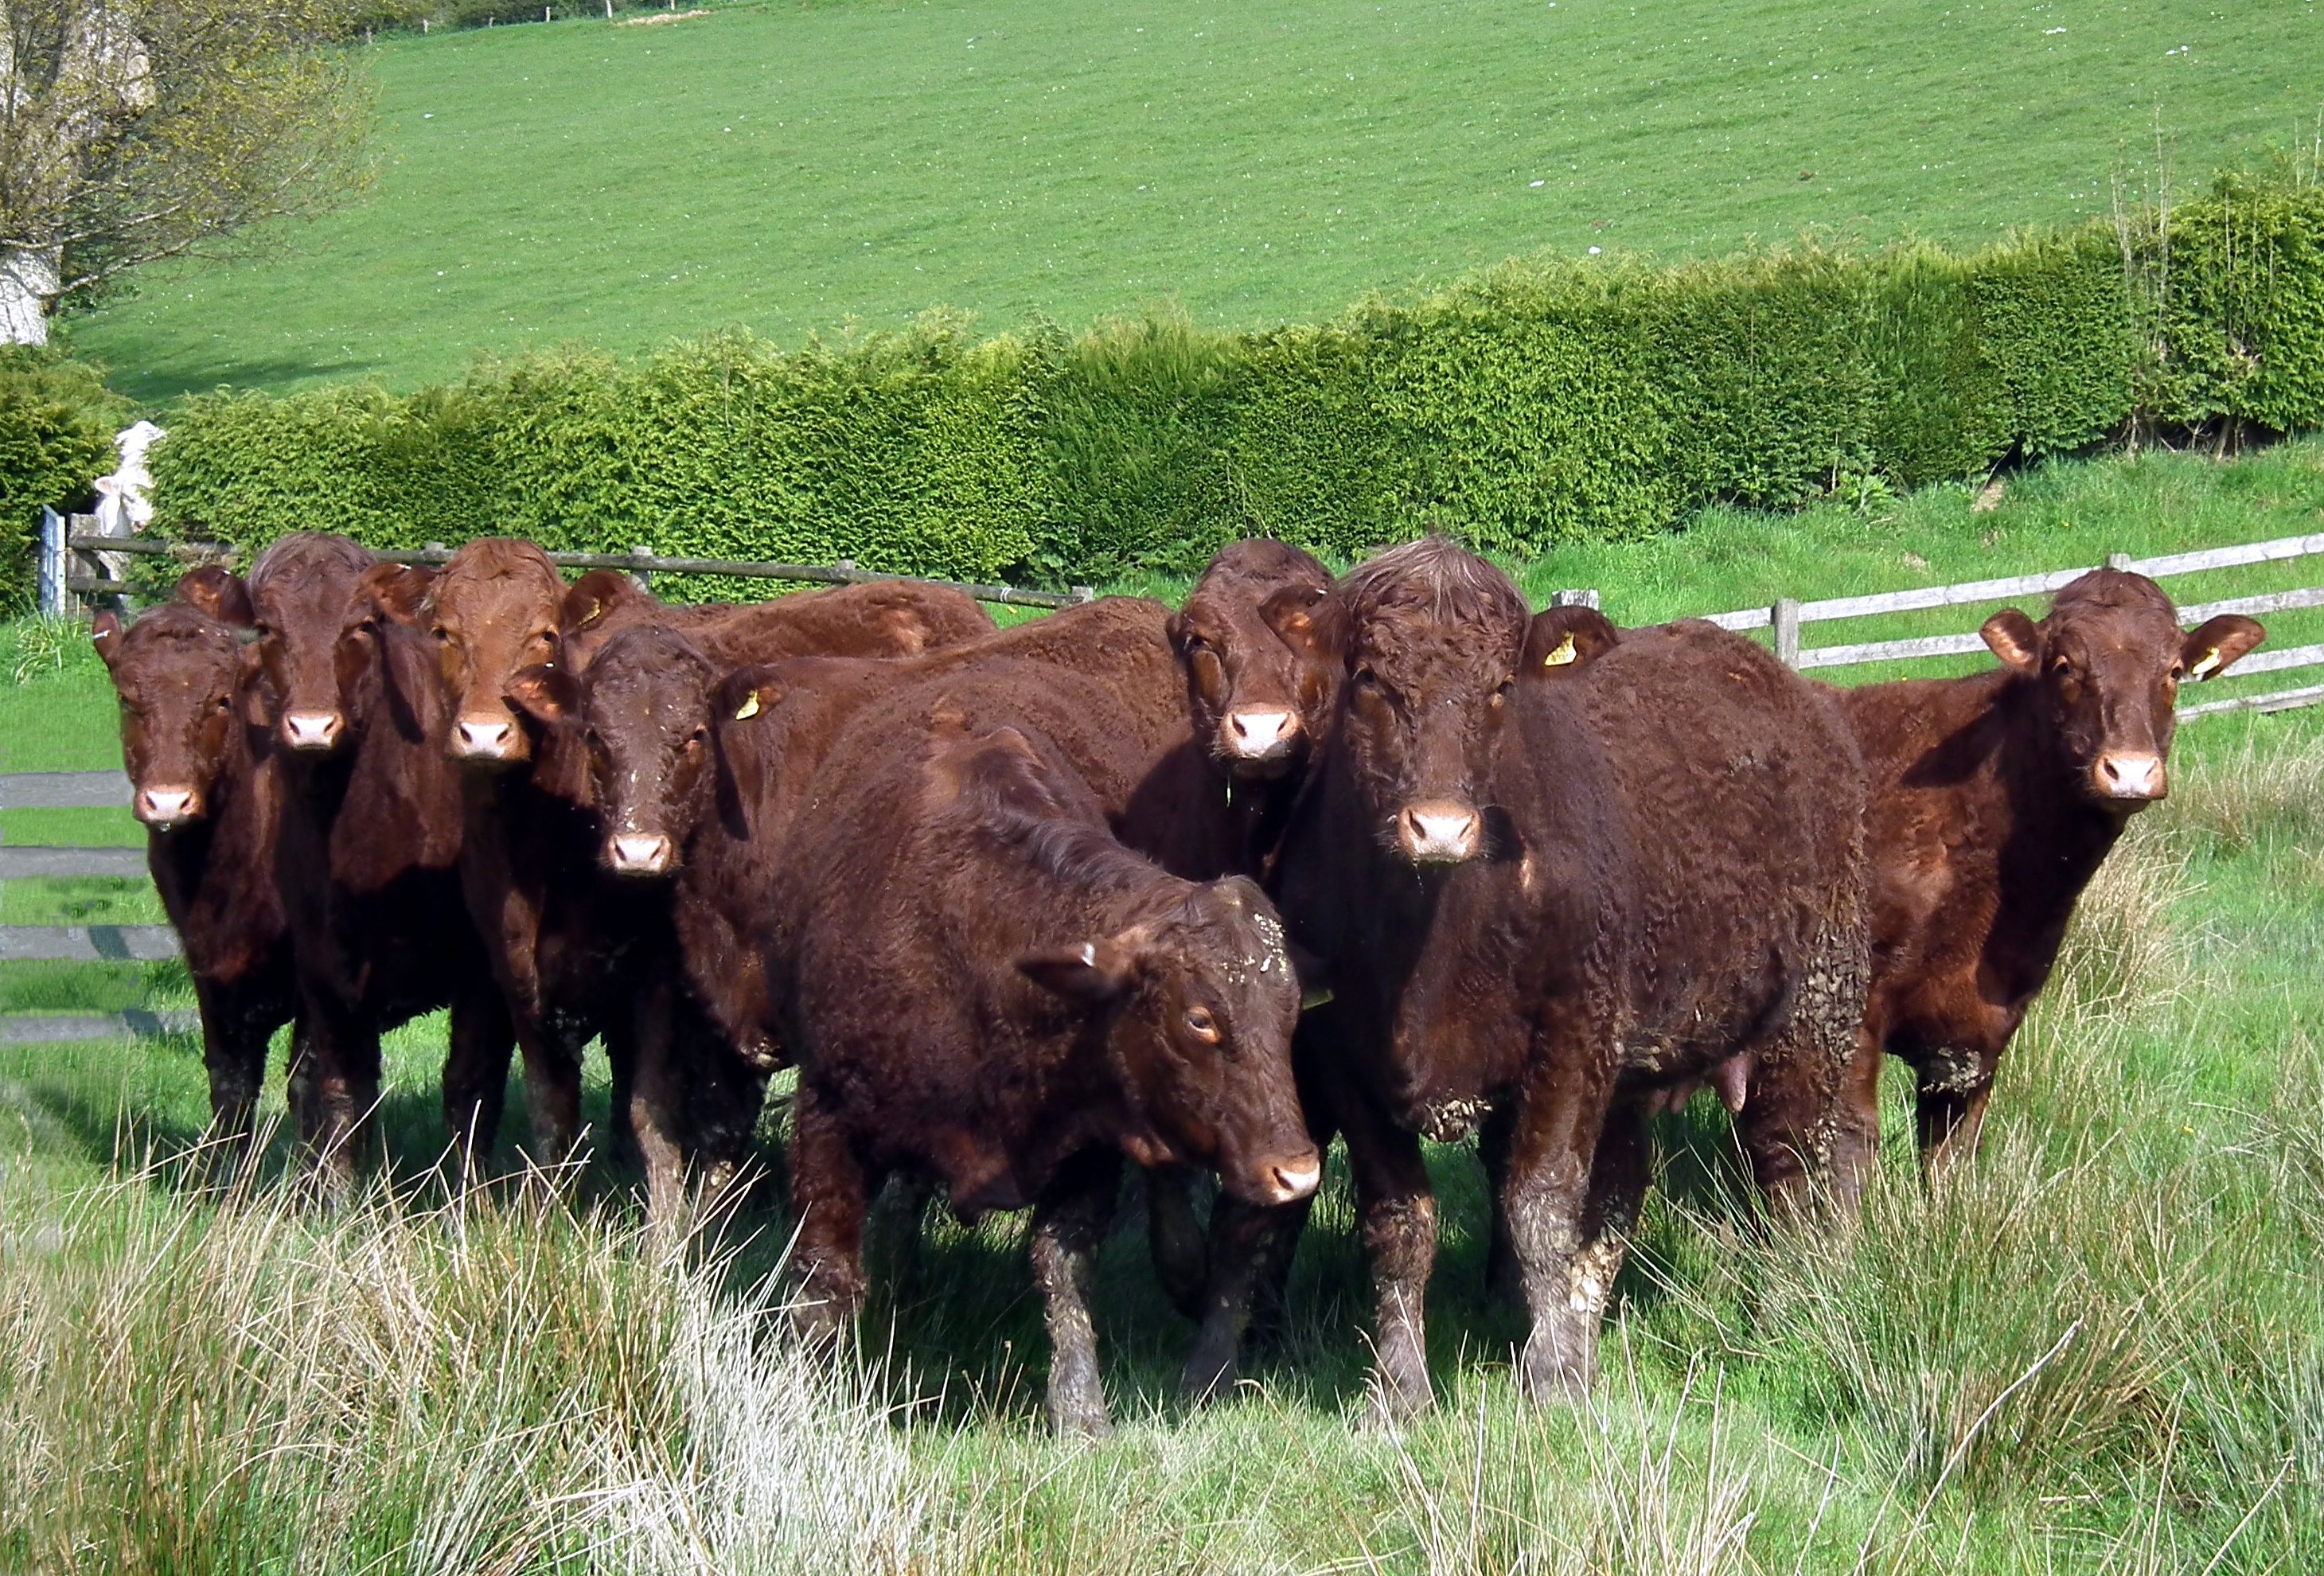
pixel 2137 776
pixel 313 732
pixel 1260 736
pixel 165 807
pixel 1440 832
pixel 485 739
pixel 639 853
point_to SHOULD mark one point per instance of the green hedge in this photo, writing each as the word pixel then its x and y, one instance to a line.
pixel 1536 402
pixel 57 422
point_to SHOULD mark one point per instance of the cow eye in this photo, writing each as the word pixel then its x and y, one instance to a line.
pixel 2063 666
pixel 1366 679
pixel 443 636
pixel 1202 1025
pixel 699 737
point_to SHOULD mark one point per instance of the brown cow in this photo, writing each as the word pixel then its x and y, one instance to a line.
pixel 1556 896
pixel 1995 797
pixel 208 791
pixel 1254 700
pixel 1040 1001
pixel 901 618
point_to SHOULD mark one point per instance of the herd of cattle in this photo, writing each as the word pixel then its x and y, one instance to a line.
pixel 1386 857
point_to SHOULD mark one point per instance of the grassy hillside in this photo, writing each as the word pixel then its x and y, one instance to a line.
pixel 792 168
pixel 2099 1349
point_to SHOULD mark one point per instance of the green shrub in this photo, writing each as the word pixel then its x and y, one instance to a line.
pixel 57 422
pixel 1534 403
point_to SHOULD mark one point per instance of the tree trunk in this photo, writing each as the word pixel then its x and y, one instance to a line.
pixel 28 286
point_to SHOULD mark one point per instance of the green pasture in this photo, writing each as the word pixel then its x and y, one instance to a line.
pixel 2099 1348
pixel 804 167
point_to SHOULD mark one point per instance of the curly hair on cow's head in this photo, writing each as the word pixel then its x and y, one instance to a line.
pixel 1437 578
pixel 2110 588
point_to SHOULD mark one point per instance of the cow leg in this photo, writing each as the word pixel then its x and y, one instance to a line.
pixel 1951 1107
pixel 829 1193
pixel 621 1035
pixel 1396 1211
pixel 1174 1236
pixel 1249 1245
pixel 476 1076
pixel 1565 1256
pixel 552 1093
pixel 1811 1117
pixel 657 1111
pixel 1069 1221
pixel 1495 1139
pixel 333 1086
pixel 234 1054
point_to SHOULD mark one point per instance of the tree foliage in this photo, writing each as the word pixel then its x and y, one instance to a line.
pixel 136 130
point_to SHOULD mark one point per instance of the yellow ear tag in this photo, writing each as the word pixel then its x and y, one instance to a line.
pixel 1562 655
pixel 2206 666
pixel 749 708
pixel 1321 995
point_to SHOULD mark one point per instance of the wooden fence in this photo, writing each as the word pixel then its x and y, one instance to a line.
pixel 1788 617
pixel 73 565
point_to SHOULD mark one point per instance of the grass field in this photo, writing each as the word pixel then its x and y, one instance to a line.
pixel 795 168
pixel 2100 1347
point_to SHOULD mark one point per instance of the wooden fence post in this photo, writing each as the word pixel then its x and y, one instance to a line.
pixel 641 577
pixel 1786 617
pixel 56 563
pixel 2118 561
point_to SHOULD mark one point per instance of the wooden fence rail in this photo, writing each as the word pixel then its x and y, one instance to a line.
pixel 1787 616
pixel 638 562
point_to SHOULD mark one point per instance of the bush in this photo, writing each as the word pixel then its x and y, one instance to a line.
pixel 1534 404
pixel 57 422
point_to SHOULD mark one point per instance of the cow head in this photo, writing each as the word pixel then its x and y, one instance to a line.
pixel 1203 1001
pixel 301 589
pixel 644 711
pixel 2106 667
pixel 493 611
pixel 1428 638
pixel 1257 699
pixel 177 671
pixel 598 603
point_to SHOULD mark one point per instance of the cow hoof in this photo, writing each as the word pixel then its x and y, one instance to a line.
pixel 1393 1403
pixel 1207 1377
pixel 1553 1379
pixel 1081 1420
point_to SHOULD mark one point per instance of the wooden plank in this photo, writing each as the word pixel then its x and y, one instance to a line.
pixel 2282 700
pixel 2267 552
pixel 1966 594
pixel 64 790
pixel 86 944
pixel 1749 618
pixel 2267 602
pixel 1888 650
pixel 137 1023
pixel 19 862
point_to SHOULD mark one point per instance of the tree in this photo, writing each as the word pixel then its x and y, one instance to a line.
pixel 137 130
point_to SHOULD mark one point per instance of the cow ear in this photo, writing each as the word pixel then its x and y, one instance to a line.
pixel 1089 972
pixel 105 634
pixel 1308 620
pixel 2015 639
pixel 397 592
pixel 218 593
pixel 745 693
pixel 2210 651
pixel 547 693
pixel 595 594
pixel 1561 639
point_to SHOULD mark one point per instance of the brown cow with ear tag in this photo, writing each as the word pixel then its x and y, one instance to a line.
pixel 1995 798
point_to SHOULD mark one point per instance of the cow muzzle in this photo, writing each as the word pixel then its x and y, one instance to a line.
pixel 1288 1178
pixel 639 853
pixel 312 733
pixel 485 739
pixel 167 808
pixel 1261 737
pixel 2129 777
pixel 1440 832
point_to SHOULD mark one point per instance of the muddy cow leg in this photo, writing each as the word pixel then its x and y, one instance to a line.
pixel 1249 1246
pixel 1951 1107
pixel 552 1091
pixel 334 1087
pixel 1396 1211
pixel 1069 1221
pixel 1811 1118
pixel 476 1076
pixel 1173 1234
pixel 234 1054
pixel 829 1194
pixel 1560 1259
pixel 658 1114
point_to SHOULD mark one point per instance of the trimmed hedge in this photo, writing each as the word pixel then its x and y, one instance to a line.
pixel 57 422
pixel 1536 402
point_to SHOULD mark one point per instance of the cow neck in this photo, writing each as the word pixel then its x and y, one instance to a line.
pixel 2057 838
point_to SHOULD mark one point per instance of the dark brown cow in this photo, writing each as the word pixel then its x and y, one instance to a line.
pixel 367 856
pixel 1555 896
pixel 900 618
pixel 985 987
pixel 1256 701
pixel 568 939
pixel 207 789
pixel 1995 798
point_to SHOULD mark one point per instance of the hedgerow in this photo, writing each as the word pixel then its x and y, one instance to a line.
pixel 56 421
pixel 1536 402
